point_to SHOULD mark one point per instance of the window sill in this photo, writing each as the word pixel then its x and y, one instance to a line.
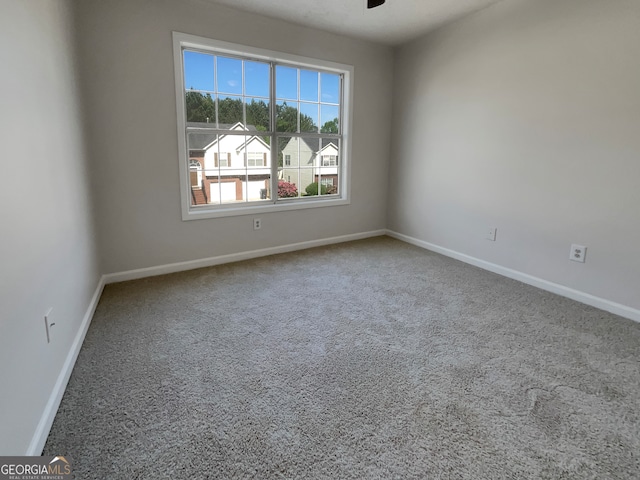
pixel 204 212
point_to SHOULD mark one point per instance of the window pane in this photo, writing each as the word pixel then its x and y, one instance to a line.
pixel 308 85
pixel 286 83
pixel 328 184
pixel 309 117
pixel 287 116
pixel 256 79
pixel 229 75
pixel 201 148
pixel 329 169
pixel 201 107
pixel 198 195
pixel 302 152
pixel 210 195
pixel 287 187
pixel 329 118
pixel 228 168
pixel 330 87
pixel 287 149
pixel 308 152
pixel 258 187
pixel 226 189
pixel 289 155
pixel 306 181
pixel 198 71
pixel 258 115
pixel 230 111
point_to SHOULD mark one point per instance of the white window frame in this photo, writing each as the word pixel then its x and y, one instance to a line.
pixel 189 212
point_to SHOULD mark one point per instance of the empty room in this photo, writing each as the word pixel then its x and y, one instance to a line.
pixel 301 239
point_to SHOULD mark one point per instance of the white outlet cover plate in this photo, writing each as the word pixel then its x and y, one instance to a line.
pixel 578 253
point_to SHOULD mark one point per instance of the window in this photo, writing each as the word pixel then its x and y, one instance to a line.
pixel 329 160
pixel 194 177
pixel 256 159
pixel 327 182
pixel 251 117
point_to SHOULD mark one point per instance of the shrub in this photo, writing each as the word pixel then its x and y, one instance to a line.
pixel 286 189
pixel 312 189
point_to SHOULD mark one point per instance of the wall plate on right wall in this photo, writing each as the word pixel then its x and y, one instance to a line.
pixel 578 253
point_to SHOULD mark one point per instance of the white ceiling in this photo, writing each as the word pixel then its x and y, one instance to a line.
pixel 393 23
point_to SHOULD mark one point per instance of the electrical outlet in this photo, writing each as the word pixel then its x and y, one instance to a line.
pixel 578 253
pixel 257 223
pixel 491 234
pixel 48 324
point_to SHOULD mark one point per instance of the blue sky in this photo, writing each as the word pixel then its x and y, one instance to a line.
pixel 199 74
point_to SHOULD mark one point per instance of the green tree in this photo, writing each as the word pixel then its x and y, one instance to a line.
pixel 287 120
pixel 330 127
pixel 258 115
pixel 230 110
pixel 200 108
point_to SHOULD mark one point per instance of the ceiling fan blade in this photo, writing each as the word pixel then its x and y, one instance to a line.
pixel 374 3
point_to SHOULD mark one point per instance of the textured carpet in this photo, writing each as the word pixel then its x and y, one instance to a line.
pixel 370 359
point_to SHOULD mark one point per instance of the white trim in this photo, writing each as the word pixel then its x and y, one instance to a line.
pixel 343 197
pixel 48 415
pixel 583 297
pixel 234 257
pixel 185 192
pixel 263 207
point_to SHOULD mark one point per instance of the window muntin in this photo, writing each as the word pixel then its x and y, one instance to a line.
pixel 242 107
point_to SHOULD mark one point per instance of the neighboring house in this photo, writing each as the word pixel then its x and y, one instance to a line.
pixel 228 168
pixel 305 160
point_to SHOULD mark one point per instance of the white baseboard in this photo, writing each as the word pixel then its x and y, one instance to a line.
pixel 592 300
pixel 234 257
pixel 46 420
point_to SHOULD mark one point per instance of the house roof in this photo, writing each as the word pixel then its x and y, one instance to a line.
pixel 314 143
pixel 201 141
pixel 223 126
pixel 253 139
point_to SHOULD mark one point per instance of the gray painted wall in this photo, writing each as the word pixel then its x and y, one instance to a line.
pixel 526 117
pixel 48 256
pixel 127 69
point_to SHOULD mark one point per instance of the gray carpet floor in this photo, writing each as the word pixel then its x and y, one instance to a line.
pixel 369 359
